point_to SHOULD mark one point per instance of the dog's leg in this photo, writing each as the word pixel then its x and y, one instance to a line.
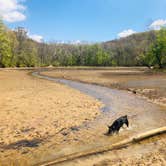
pixel 117 131
pixel 123 126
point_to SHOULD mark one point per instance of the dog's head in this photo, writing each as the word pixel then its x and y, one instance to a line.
pixel 110 130
pixel 126 120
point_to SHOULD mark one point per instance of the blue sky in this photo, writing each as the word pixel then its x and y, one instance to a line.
pixel 89 20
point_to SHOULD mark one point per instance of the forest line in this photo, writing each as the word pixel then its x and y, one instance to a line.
pixel 141 49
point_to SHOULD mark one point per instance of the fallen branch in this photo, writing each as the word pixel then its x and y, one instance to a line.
pixel 106 148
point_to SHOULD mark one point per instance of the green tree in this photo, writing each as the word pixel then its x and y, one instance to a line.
pixel 5 49
pixel 27 56
pixel 14 46
pixel 157 51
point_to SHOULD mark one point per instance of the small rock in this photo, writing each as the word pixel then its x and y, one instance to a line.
pixel 74 128
pixel 64 133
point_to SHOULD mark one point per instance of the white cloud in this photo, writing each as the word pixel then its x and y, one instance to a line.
pixel 75 42
pixel 12 10
pixel 36 38
pixel 157 24
pixel 126 33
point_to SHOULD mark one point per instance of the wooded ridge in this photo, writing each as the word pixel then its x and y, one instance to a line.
pixel 140 49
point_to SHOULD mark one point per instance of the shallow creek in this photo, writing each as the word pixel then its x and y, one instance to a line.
pixel 142 115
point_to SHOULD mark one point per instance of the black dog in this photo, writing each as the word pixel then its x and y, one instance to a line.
pixel 117 124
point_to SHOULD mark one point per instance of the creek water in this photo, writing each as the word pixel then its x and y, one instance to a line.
pixel 142 115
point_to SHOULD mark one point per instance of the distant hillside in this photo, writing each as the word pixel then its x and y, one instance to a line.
pixel 136 37
pixel 127 50
pixel 17 49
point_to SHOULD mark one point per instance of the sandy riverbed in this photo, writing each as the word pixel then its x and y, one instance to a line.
pixel 33 110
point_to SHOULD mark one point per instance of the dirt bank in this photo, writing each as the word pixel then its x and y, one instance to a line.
pixel 33 110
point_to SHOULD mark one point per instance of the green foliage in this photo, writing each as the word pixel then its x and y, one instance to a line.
pixel 56 63
pixel 5 49
pixel 27 55
pixel 14 45
pixel 157 52
pixel 148 48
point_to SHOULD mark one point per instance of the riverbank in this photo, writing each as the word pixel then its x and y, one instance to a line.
pixel 140 81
